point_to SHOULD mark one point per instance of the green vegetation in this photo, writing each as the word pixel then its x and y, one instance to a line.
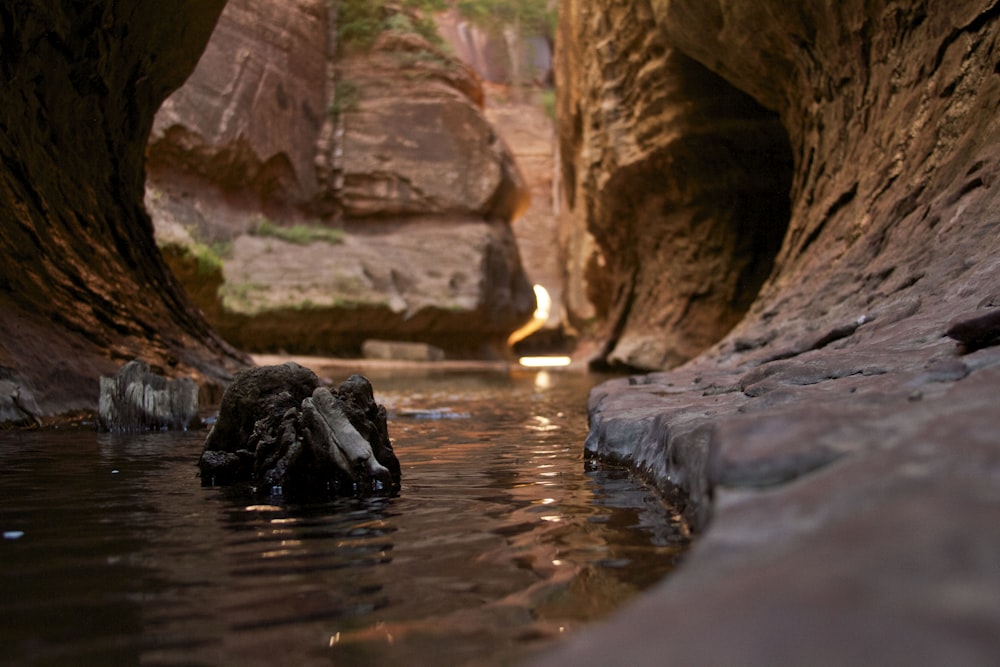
pixel 548 100
pixel 528 17
pixel 346 98
pixel 300 234
pixel 359 22
pixel 208 257
pixel 422 58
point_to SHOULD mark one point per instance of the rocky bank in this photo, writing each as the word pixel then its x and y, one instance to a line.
pixel 837 450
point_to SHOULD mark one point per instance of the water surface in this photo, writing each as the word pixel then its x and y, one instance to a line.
pixel 502 541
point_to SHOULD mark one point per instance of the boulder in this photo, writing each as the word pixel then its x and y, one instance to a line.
pixel 287 435
pixel 455 284
pixel 422 144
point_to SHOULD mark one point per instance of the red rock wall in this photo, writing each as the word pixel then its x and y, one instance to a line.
pixel 82 286
pixel 837 451
pixel 889 110
pixel 680 179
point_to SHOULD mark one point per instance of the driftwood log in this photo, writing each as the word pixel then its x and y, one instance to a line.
pixel 280 430
pixel 137 399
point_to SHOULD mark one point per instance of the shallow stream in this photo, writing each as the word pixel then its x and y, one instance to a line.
pixel 502 541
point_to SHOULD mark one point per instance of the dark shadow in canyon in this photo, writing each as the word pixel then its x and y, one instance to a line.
pixel 690 232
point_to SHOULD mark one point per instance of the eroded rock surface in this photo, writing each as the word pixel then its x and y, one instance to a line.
pixel 287 435
pixel 838 448
pixel 422 144
pixel 675 188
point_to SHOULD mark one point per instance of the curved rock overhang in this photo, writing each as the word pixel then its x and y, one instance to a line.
pixel 838 444
pixel 83 287
pixel 681 180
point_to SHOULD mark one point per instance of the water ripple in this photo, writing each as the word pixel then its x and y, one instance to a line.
pixel 501 541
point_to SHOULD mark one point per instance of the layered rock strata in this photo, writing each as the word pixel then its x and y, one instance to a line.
pixel 83 287
pixel 836 448
pixel 384 141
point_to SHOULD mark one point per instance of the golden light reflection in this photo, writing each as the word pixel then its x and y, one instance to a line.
pixel 277 553
pixel 262 508
pixel 542 424
pixel 543 306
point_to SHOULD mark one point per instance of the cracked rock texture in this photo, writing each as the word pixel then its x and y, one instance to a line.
pixel 282 125
pixel 838 448
pixel 83 287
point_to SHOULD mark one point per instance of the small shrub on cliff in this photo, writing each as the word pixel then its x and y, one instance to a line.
pixel 299 234
pixel 359 21
pixel 346 98
pixel 209 257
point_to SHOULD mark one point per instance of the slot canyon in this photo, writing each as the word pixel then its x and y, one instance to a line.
pixel 774 223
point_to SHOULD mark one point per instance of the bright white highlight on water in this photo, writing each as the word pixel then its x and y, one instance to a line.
pixel 544 362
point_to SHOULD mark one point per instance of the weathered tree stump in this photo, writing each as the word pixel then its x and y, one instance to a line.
pixel 136 399
pixel 284 433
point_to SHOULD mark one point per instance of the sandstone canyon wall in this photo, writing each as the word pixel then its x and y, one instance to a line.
pixel 675 189
pixel 381 139
pixel 837 448
pixel 82 286
pixel 677 183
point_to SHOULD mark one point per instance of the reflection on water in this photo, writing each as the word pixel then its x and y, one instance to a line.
pixel 501 542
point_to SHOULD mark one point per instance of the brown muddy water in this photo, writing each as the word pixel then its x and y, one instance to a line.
pixel 502 541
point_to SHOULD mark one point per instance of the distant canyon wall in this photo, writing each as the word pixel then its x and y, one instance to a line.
pixel 378 137
pixel 693 133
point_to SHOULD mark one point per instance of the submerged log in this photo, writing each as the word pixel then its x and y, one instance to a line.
pixel 136 399
pixel 287 435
